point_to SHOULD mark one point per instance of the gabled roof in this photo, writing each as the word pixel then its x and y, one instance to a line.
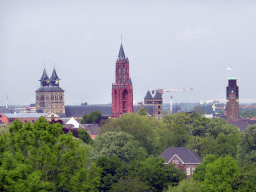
pixel 44 76
pixel 79 111
pixel 73 122
pixel 50 89
pixel 183 153
pixel 92 129
pixel 158 95
pixel 148 107
pixel 121 52
pixel 148 96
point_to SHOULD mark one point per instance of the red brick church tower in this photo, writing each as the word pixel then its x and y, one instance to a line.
pixel 122 93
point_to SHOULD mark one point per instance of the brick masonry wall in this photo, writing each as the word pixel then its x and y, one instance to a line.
pixel 184 167
pixel 232 108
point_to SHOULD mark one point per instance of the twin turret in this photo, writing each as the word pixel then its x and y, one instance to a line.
pixel 53 81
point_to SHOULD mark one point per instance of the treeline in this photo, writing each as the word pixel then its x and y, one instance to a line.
pixel 125 156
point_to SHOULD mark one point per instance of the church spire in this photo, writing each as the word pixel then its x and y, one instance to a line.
pixel 44 79
pixel 54 80
pixel 121 52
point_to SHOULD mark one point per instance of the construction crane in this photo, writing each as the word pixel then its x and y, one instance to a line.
pixel 161 91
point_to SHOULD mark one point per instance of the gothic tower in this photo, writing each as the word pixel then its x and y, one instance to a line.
pixel 122 91
pixel 50 97
pixel 232 100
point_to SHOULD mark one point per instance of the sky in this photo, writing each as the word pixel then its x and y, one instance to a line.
pixel 172 44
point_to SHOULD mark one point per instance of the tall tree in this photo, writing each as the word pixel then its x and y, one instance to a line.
pixel 85 136
pixel 144 129
pixel 91 117
pixel 219 174
pixel 120 144
pixel 247 146
pixel 53 156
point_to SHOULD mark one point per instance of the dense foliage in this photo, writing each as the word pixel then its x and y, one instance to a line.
pixel 38 157
pixel 125 156
pixel 91 118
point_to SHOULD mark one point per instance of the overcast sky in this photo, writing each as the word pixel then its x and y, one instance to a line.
pixel 170 44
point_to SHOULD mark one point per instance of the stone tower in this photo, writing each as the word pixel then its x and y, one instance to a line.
pixel 158 105
pixel 122 90
pixel 232 100
pixel 50 97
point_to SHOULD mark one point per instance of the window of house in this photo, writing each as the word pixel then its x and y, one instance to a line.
pixel 175 161
pixel 193 169
pixel 188 170
pixel 158 112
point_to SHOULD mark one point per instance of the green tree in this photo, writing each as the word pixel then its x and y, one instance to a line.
pixel 109 175
pixel 15 177
pixel 142 111
pixel 179 135
pixel 4 129
pixel 219 174
pixel 121 144
pixel 165 112
pixel 187 185
pixel 198 109
pixel 91 118
pixel 84 136
pixel 54 157
pixel 155 174
pixel 144 129
pixel 248 113
pixel 245 180
pixel 247 146
pixel 199 173
pixel 132 184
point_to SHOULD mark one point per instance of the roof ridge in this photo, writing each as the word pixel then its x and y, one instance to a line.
pixel 192 153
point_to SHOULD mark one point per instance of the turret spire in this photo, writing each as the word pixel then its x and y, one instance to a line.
pixel 54 80
pixel 121 52
pixel 44 79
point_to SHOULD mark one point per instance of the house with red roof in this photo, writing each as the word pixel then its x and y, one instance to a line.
pixel 182 157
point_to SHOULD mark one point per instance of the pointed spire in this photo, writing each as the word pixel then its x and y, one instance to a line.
pixel 158 95
pixel 121 52
pixel 44 79
pixel 44 76
pixel 148 96
pixel 54 80
pixel 54 75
